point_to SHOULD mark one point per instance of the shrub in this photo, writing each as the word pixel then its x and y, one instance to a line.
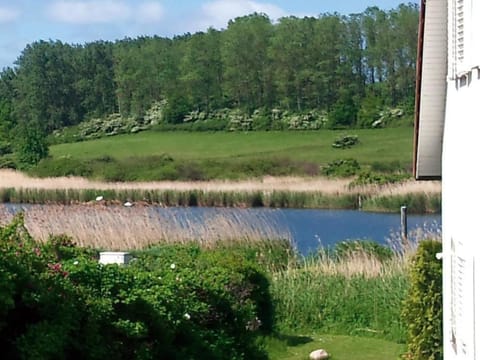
pixel 5 148
pixel 375 178
pixel 422 310
pixel 8 161
pixel 31 146
pixel 232 271
pixel 342 168
pixel 57 301
pixel 387 167
pixel 345 141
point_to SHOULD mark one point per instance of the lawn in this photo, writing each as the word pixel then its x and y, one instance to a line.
pixel 339 347
pixel 376 145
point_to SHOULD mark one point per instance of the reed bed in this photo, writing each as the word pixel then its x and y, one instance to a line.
pixel 286 192
pixel 355 294
pixel 120 228
pixel 15 179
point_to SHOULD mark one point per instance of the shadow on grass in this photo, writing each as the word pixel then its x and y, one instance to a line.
pixel 293 340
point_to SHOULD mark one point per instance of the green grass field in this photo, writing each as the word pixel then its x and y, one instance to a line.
pixel 155 155
pixel 298 347
pixel 381 145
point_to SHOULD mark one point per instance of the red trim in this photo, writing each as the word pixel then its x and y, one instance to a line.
pixel 418 86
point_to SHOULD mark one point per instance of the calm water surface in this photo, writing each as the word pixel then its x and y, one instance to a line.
pixel 309 229
pixel 312 228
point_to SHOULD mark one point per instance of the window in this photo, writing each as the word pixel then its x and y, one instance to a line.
pixel 463 50
pixel 462 311
pixel 459 32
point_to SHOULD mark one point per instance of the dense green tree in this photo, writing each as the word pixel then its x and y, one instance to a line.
pixel 329 43
pixel 356 65
pixel 7 121
pixel 344 112
pixel 402 82
pixel 31 145
pixel 202 70
pixel 45 86
pixel 245 57
pixel 94 84
pixel 292 57
pixel 145 71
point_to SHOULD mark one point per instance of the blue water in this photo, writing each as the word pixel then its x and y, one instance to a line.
pixel 309 229
pixel 312 228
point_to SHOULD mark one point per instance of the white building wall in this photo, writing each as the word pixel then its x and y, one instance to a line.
pixel 460 188
pixel 460 212
pixel 432 92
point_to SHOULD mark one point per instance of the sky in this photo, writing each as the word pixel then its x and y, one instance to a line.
pixel 80 21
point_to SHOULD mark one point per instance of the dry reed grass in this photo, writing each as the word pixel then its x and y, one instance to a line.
pixel 363 263
pixel 120 228
pixel 16 179
pixel 359 263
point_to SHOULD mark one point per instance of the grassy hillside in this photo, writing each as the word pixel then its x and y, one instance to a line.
pixel 383 145
pixel 221 155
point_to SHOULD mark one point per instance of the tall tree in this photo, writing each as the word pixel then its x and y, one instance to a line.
pixel 245 57
pixel 145 71
pixel 45 92
pixel 7 121
pixel 329 43
pixel 291 53
pixel 202 70
pixel 93 64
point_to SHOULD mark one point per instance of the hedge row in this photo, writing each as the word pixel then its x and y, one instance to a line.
pixel 57 302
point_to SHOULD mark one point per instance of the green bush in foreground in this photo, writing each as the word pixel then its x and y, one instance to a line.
pixel 422 310
pixel 57 301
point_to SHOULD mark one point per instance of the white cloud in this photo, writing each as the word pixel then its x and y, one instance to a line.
pixel 8 15
pixel 105 11
pixel 218 13
pixel 87 12
pixel 150 12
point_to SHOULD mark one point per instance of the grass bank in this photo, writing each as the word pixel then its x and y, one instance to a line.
pixel 222 155
pixel 389 144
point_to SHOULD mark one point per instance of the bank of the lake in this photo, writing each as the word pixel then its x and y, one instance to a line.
pixel 273 192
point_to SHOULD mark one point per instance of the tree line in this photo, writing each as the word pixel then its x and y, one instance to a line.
pixel 343 65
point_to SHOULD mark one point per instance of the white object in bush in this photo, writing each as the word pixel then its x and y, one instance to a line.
pixel 115 257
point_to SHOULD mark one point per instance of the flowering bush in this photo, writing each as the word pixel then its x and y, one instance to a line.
pixel 57 301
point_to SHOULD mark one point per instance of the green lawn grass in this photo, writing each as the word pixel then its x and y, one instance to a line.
pixel 339 347
pixel 376 145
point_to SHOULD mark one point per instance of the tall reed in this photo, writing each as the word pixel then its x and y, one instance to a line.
pixel 416 202
pixel 358 293
pixel 121 228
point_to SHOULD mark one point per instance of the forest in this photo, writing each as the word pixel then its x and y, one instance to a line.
pixel 342 69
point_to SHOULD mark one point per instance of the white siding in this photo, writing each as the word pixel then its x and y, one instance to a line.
pixel 475 43
pixel 433 91
pixel 460 202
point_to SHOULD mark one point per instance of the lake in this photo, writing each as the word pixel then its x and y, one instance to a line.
pixel 311 228
pixel 308 228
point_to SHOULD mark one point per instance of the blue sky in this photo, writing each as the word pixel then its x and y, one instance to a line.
pixel 79 21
